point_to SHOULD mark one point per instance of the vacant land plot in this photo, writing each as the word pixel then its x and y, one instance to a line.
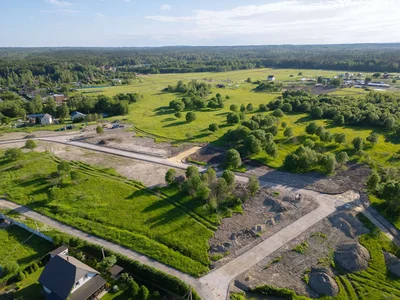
pixel 289 268
pixel 20 246
pixel 110 206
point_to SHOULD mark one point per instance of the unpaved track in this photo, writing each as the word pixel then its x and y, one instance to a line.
pixel 214 285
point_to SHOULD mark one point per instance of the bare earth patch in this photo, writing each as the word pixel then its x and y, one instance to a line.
pixel 287 268
pixel 147 173
pixel 126 140
pixel 263 215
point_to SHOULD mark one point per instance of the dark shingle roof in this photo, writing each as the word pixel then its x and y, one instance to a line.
pixel 88 289
pixel 58 250
pixel 61 273
pixel 115 270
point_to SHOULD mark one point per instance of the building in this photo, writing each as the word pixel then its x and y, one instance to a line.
pixel 77 115
pixel 59 98
pixel 271 78
pixel 116 271
pixel 62 250
pixel 65 277
pixel 44 119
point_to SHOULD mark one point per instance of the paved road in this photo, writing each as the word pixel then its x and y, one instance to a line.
pixel 214 285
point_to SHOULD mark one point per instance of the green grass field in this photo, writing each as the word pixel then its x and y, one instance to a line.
pixel 151 115
pixel 114 208
pixel 20 246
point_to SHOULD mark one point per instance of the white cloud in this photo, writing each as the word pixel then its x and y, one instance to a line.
pixel 165 7
pixel 295 21
pixel 58 2
pixel 100 15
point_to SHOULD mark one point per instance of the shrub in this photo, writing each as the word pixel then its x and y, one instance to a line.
pixel 312 128
pixel 13 154
pixel 30 144
pixel 170 176
pixel 143 293
pixel 278 113
pixel 133 288
pixel 191 171
pixel 213 127
pixel 254 185
pixel 234 107
pixel 263 107
pixel 233 118
pixel 21 276
pixel 99 129
pixel 178 114
pixel 233 159
pixel 190 117
pixel 358 143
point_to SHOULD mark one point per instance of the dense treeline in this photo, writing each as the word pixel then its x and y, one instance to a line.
pixel 73 64
pixel 375 109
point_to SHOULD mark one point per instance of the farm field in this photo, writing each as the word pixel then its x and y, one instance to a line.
pixel 116 209
pixel 151 115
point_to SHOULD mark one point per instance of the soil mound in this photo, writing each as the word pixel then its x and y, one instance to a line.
pixel 348 224
pixel 321 282
pixel 392 263
pixel 352 257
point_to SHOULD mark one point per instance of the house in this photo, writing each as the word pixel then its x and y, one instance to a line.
pixel 386 76
pixel 271 78
pixel 65 277
pixel 44 119
pixel 59 98
pixel 77 115
pixel 62 250
pixel 115 271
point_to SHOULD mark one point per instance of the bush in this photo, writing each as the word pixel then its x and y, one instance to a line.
pixel 263 107
pixel 143 293
pixel 233 159
pixel 133 288
pixel 213 127
pixel 178 114
pixel 358 143
pixel 278 113
pixel 233 118
pixel 170 176
pixel 254 185
pixel 190 117
pixel 30 144
pixel 21 276
pixel 13 154
pixel 312 128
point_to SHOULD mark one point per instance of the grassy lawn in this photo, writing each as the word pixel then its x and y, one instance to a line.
pixel 16 244
pixel 114 208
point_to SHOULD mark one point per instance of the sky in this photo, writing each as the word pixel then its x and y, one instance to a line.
pixel 137 23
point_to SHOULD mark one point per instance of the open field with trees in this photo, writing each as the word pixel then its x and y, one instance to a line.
pixel 116 209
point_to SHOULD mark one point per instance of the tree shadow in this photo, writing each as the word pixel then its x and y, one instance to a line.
pixel 168 120
pixel 178 123
pixel 222 114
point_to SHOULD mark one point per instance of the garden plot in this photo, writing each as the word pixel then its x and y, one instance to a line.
pixel 263 215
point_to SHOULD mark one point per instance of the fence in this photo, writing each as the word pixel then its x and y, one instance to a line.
pixel 24 226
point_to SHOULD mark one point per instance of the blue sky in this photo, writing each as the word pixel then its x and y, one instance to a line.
pixel 115 23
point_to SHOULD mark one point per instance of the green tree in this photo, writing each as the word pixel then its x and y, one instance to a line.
pixel 170 176
pixel 263 107
pixel 250 107
pixel 203 192
pixel 328 163
pixel 63 111
pixel 213 127
pixel 340 138
pixel 242 108
pixel 342 158
pixel 64 167
pixel 287 107
pixel 233 108
pixel 76 176
pixel 358 143
pixel 5 120
pixel 339 119
pixel 221 189
pixel 143 293
pixel 229 177
pixel 288 132
pixel 233 160
pixel 373 181
pixel 309 143
pixel 312 128
pixel 13 154
pixel 271 149
pixel 252 145
pixel 211 174
pixel 178 114
pixel 254 185
pixel 21 276
pixel 233 118
pixel 51 106
pixel 108 262
pixel 30 144
pixel 10 267
pixel 190 117
pixel 373 138
pixel 99 129
pixel 278 113
pixel 37 105
pixel 248 80
pixel 133 287
pixel 191 171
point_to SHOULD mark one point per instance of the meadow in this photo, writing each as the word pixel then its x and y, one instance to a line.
pixel 112 207
pixel 152 116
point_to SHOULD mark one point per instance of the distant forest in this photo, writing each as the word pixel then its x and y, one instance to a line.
pixel 60 64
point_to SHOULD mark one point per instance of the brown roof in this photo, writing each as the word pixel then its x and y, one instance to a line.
pixel 115 270
pixel 58 250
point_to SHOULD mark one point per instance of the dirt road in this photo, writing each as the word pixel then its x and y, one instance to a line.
pixel 215 284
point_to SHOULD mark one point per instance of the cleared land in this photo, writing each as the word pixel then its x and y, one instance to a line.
pixel 110 206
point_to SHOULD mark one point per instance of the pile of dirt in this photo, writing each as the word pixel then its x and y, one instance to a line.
pixel 210 154
pixel 322 282
pixel 348 223
pixel 352 257
pixel 392 263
